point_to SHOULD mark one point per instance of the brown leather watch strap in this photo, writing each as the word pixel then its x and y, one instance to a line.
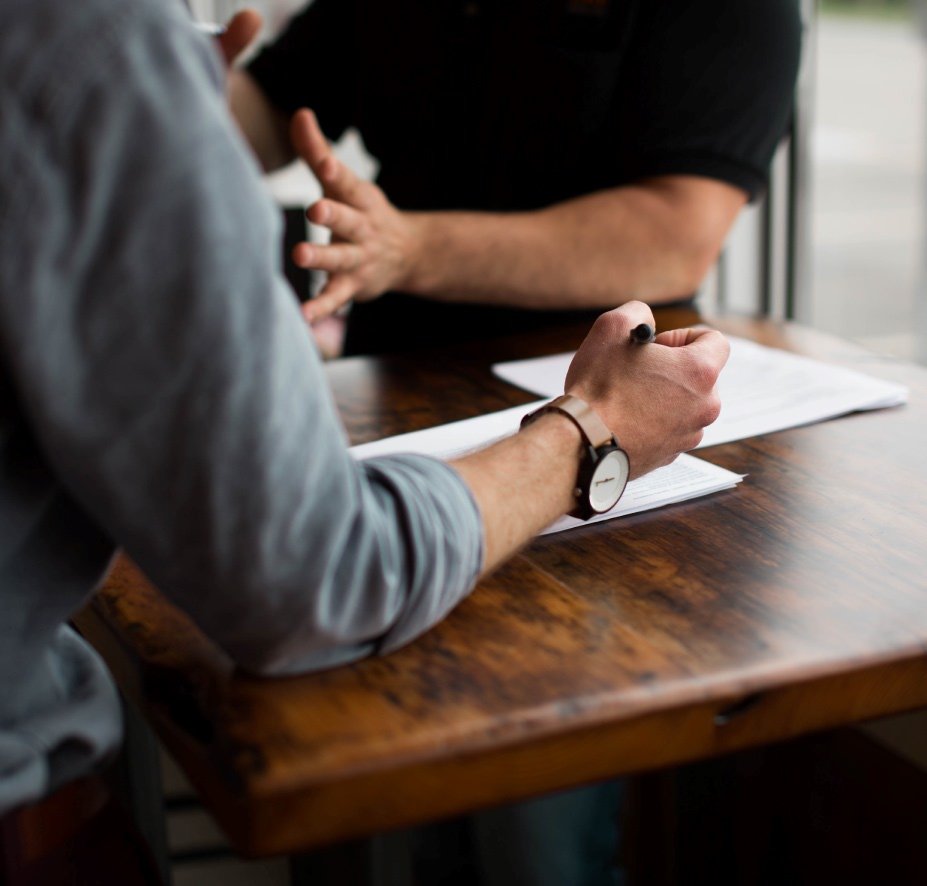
pixel 582 415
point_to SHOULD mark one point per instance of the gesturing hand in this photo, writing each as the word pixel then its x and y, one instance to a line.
pixel 656 398
pixel 372 241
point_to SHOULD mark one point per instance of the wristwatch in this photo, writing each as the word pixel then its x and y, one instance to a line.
pixel 604 469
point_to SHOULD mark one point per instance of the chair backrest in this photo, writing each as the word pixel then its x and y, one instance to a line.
pixel 765 267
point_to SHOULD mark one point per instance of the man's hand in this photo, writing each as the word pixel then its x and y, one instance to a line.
pixel 656 398
pixel 240 32
pixel 372 241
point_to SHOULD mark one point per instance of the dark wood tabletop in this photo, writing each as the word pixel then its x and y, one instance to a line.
pixel 793 603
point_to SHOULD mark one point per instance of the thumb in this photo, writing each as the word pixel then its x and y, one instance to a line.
pixel 680 338
pixel 240 32
pixel 708 344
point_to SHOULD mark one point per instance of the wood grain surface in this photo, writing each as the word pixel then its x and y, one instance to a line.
pixel 795 602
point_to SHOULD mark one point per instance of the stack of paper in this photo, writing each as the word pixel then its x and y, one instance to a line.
pixel 686 478
pixel 762 389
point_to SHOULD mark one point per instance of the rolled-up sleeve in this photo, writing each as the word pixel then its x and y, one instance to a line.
pixel 172 385
pixel 413 478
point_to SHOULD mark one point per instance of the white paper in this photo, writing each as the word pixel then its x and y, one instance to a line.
pixel 454 439
pixel 686 478
pixel 762 389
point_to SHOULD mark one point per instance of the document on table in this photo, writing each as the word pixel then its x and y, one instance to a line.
pixel 686 478
pixel 762 389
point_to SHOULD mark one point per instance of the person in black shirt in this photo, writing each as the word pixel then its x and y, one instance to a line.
pixel 548 156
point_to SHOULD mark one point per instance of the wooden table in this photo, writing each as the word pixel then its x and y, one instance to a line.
pixel 794 603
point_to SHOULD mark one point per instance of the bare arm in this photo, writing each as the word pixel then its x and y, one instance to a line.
pixel 265 128
pixel 652 240
pixel 514 506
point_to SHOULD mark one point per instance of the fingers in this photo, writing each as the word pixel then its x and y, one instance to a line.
pixel 335 295
pixel 708 348
pixel 636 313
pixel 613 328
pixel 341 183
pixel 343 221
pixel 308 140
pixel 712 346
pixel 334 258
pixel 705 352
pixel 240 32
pixel 620 321
pixel 679 338
pixel 336 179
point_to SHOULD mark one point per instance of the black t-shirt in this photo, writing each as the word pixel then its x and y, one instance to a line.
pixel 502 105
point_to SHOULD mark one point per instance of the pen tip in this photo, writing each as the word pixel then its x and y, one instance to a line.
pixel 642 333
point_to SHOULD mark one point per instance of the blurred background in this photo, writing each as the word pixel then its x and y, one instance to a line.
pixel 867 176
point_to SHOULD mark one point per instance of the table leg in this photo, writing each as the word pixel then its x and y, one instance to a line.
pixel 136 780
pixel 382 860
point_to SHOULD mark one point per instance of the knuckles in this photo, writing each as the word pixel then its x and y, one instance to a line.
pixel 613 324
pixel 710 411
pixel 693 440
pixel 702 373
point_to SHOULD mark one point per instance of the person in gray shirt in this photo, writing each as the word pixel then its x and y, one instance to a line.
pixel 160 393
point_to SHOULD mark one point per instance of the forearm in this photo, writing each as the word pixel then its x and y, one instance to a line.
pixel 654 241
pixel 522 484
pixel 265 128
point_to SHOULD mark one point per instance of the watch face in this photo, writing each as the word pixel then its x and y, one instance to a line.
pixel 608 481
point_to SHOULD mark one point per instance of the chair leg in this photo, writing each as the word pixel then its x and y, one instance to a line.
pixel 382 860
pixel 78 836
pixel 135 779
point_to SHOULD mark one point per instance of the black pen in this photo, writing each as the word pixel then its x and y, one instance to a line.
pixel 643 334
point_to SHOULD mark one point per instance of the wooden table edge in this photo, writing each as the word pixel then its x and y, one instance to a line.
pixel 261 819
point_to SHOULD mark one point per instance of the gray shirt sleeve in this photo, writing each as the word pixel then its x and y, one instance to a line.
pixel 173 386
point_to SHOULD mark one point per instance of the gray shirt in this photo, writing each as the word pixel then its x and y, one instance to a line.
pixel 160 392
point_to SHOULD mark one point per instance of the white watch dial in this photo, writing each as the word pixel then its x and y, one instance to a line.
pixel 608 481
